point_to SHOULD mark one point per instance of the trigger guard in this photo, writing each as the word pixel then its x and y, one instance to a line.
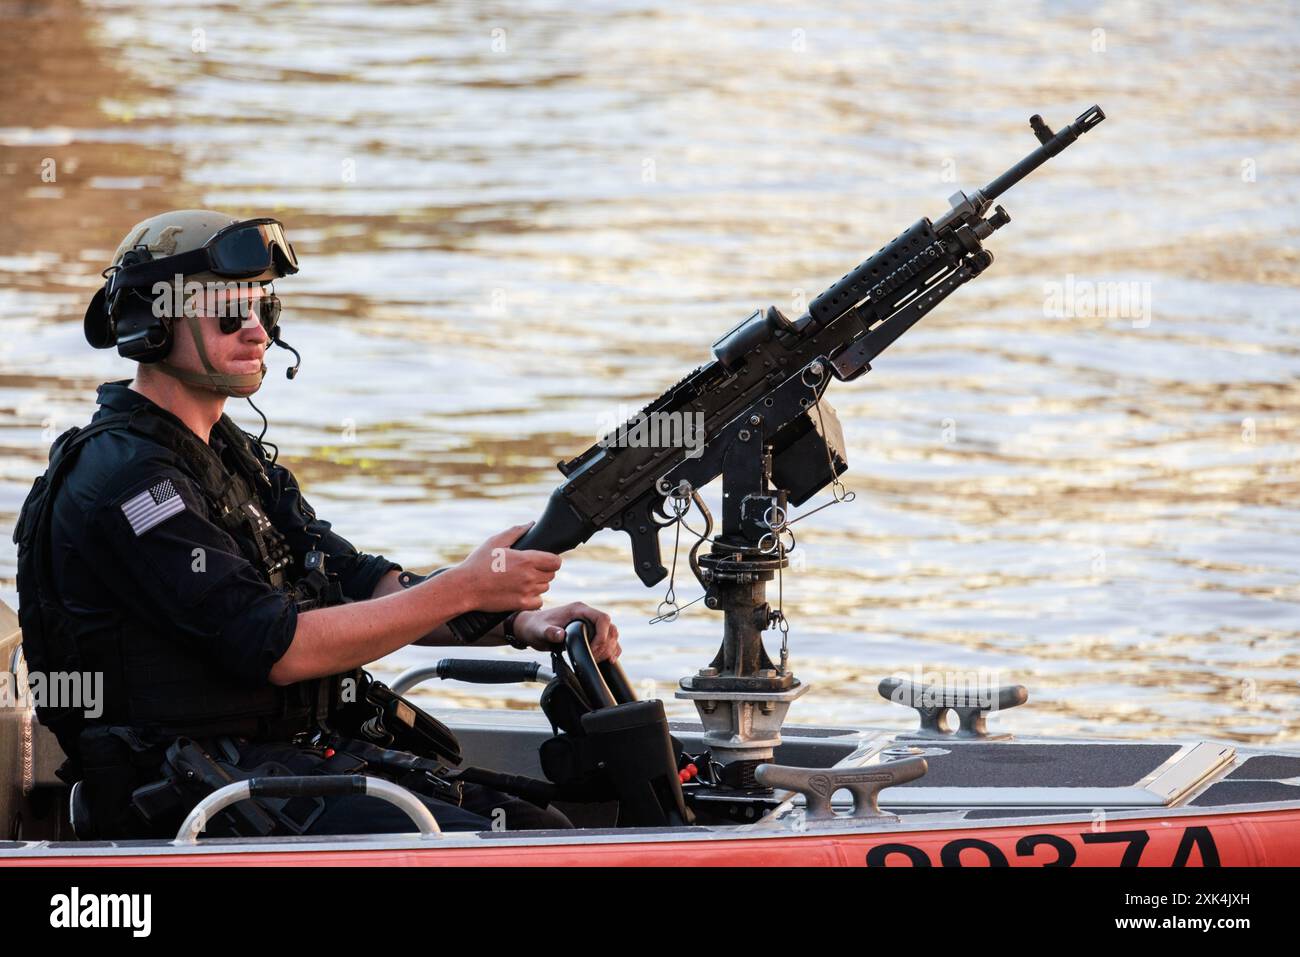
pixel 657 510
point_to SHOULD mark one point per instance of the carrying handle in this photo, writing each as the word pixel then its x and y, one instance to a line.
pixel 291 786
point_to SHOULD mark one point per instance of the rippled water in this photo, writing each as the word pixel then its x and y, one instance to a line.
pixel 513 223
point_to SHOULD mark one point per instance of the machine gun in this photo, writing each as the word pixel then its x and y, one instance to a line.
pixel 758 420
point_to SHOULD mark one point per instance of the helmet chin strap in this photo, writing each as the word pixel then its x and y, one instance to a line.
pixel 236 386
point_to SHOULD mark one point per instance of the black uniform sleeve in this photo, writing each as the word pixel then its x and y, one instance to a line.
pixel 155 544
pixel 358 572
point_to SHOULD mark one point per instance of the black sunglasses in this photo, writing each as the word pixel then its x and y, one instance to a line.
pixel 266 308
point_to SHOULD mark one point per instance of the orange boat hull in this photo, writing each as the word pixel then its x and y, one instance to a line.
pixel 1256 839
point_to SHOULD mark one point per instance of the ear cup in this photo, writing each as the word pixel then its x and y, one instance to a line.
pixel 97 325
pixel 140 334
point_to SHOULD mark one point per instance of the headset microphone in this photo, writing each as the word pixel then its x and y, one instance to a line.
pixel 289 373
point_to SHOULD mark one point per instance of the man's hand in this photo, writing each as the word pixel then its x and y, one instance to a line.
pixel 498 578
pixel 543 629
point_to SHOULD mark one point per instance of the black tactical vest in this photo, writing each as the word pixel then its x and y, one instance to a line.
pixel 148 685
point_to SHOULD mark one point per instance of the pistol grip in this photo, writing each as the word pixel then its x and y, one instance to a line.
pixel 639 523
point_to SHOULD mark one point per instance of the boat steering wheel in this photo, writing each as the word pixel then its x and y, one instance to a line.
pixel 605 683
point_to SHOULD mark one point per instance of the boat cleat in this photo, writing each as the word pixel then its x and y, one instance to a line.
pixel 818 785
pixel 972 706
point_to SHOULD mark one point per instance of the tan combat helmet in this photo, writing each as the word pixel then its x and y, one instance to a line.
pixel 178 231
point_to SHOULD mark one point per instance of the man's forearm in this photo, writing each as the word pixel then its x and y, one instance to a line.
pixel 442 635
pixel 327 641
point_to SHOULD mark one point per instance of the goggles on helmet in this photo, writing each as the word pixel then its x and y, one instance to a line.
pixel 255 249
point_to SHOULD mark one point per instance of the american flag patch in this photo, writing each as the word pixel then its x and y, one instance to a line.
pixel 152 506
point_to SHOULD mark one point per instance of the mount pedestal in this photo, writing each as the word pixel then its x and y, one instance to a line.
pixel 742 696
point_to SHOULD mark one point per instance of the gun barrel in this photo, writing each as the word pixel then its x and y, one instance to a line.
pixel 1051 146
